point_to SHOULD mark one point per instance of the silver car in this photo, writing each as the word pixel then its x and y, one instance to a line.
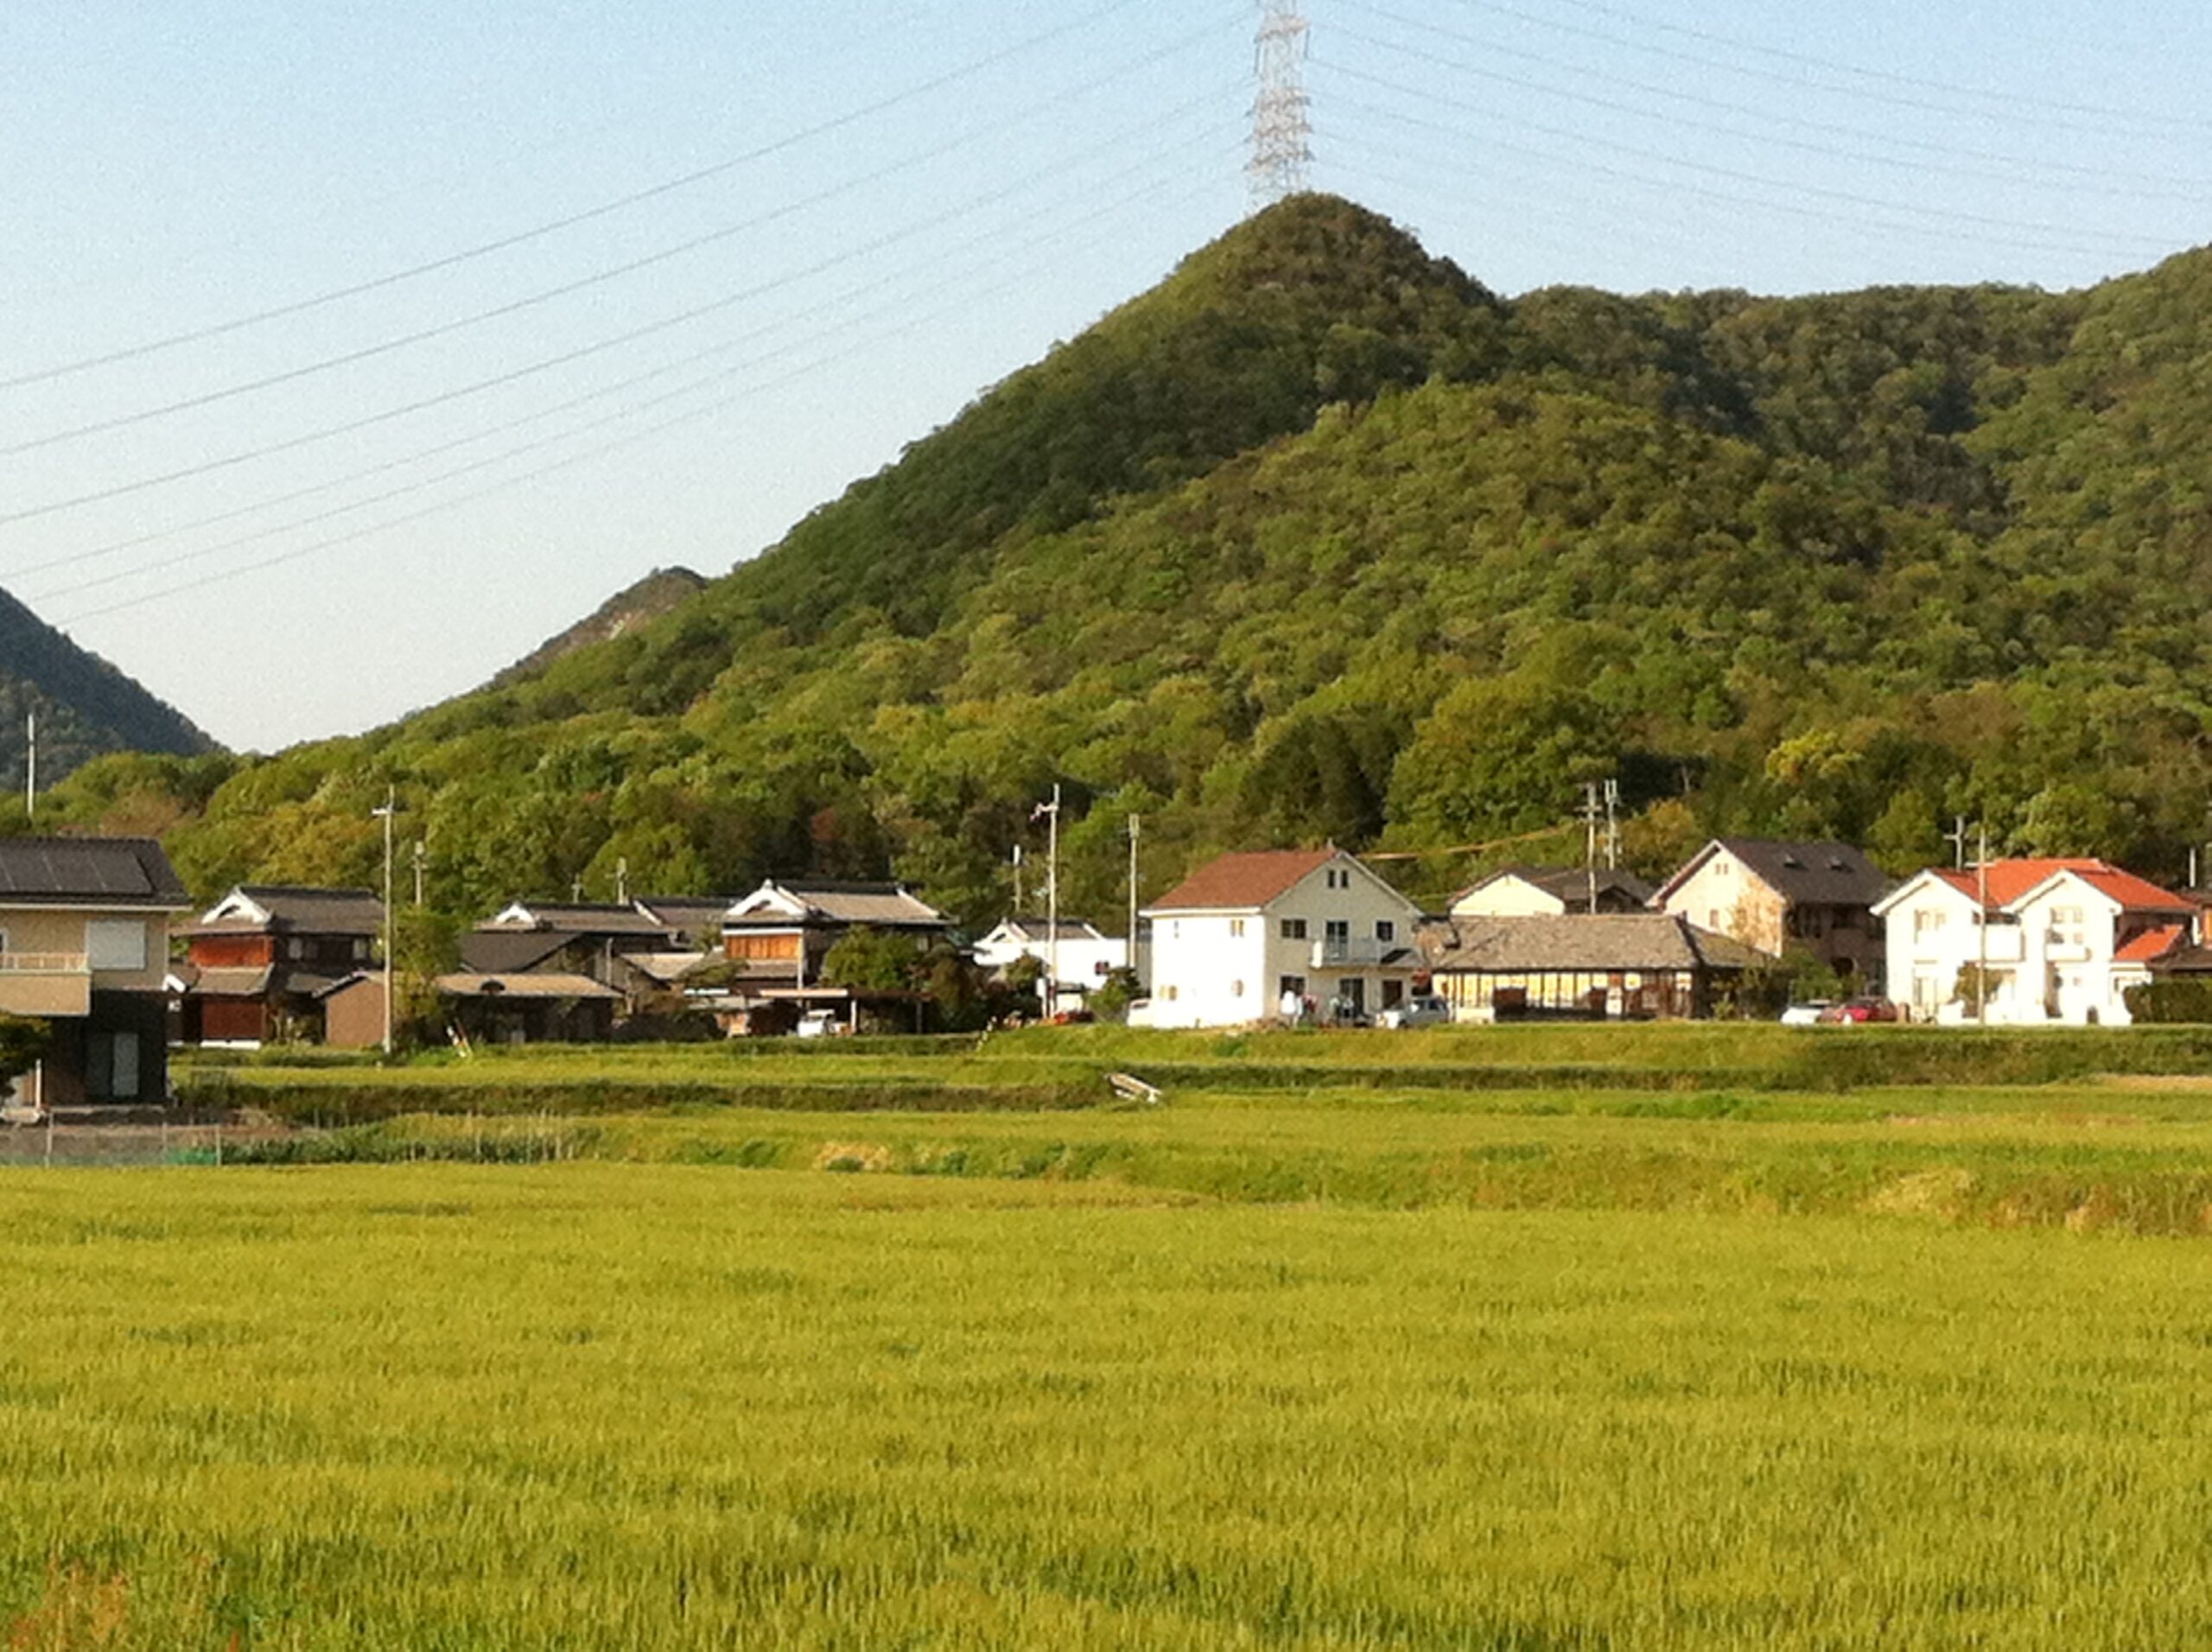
pixel 1423 1009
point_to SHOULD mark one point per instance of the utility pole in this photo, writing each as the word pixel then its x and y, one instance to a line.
pixel 1017 879
pixel 1957 837
pixel 421 859
pixel 30 766
pixel 1051 811
pixel 1136 822
pixel 622 881
pixel 388 812
pixel 1612 825
pixel 1282 128
pixel 1589 807
pixel 1982 974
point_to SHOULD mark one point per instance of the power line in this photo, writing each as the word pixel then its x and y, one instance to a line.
pixel 2096 180
pixel 2037 122
pixel 795 375
pixel 996 262
pixel 599 277
pixel 1675 186
pixel 1177 150
pixel 1282 147
pixel 598 347
pixel 1735 175
pixel 539 231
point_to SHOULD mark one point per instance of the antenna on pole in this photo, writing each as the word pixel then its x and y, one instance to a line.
pixel 1283 133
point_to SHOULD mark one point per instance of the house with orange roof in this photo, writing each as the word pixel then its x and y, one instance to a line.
pixel 2056 941
pixel 1261 936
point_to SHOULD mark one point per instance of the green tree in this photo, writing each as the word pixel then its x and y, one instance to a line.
pixel 870 960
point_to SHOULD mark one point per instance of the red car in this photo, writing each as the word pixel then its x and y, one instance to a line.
pixel 1857 1012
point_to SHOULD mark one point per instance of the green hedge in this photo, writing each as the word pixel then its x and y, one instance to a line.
pixel 329 1105
pixel 2180 1002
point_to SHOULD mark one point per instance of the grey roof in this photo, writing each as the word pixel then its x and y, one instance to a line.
pixel 877 905
pixel 1580 942
pixel 694 917
pixel 474 985
pixel 582 919
pixel 667 968
pixel 494 951
pixel 294 910
pixel 244 982
pixel 1814 874
pixel 89 872
pixel 1039 929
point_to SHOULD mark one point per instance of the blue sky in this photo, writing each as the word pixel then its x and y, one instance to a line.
pixel 935 195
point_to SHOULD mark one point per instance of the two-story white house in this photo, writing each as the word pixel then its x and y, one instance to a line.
pixel 1251 936
pixel 1081 955
pixel 2061 940
pixel 84 948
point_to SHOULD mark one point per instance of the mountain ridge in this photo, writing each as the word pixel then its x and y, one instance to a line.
pixel 1323 539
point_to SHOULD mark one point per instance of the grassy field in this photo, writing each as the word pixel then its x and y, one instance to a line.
pixel 763 1348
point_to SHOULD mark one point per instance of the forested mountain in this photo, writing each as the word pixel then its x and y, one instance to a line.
pixel 86 707
pixel 1320 539
pixel 650 598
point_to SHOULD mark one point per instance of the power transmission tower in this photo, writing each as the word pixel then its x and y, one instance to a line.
pixel 1283 133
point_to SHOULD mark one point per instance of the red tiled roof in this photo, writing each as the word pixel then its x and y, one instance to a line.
pixel 1236 882
pixel 2152 944
pixel 2010 879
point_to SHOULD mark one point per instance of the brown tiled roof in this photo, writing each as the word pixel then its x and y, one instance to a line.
pixel 1239 880
pixel 2009 880
pixel 1580 942
pixel 522 986
pixel 89 872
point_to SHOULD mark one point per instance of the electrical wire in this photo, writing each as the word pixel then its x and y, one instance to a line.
pixel 993 239
pixel 600 277
pixel 520 238
pixel 1979 220
pixel 797 375
pixel 598 347
pixel 2102 182
pixel 997 260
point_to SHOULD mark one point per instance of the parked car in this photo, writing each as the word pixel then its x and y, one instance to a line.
pixel 1858 1012
pixel 820 1024
pixel 1811 1012
pixel 1139 1013
pixel 1423 1009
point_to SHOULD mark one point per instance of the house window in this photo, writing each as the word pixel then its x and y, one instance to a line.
pixel 1236 929
pixel 1385 930
pixel 1293 929
pixel 1237 989
pixel 1337 929
pixel 111 1066
pixel 1928 922
pixel 2068 928
pixel 1100 968
pixel 1173 993
pixel 115 944
pixel 1293 985
pixel 360 951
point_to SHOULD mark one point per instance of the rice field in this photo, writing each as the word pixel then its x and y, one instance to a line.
pixel 1341 1365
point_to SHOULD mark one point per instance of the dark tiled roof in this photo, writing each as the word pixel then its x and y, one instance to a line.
pixel 472 985
pixel 1581 943
pixel 88 872
pixel 875 906
pixel 696 917
pixel 497 951
pixel 293 909
pixel 1037 928
pixel 1234 882
pixel 582 919
pixel 1810 874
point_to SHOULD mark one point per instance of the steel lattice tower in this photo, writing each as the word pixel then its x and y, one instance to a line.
pixel 1282 136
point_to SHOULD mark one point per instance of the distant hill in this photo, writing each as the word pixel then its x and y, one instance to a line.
pixel 650 598
pixel 1322 539
pixel 86 707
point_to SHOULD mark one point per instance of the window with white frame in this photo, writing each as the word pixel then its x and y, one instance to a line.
pixel 1385 930
pixel 1293 929
pixel 2068 927
pixel 1237 929
pixel 1926 923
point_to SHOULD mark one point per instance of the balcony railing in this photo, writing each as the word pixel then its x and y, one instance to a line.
pixel 44 963
pixel 1351 953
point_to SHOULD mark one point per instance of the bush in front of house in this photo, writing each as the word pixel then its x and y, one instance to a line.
pixel 2176 1002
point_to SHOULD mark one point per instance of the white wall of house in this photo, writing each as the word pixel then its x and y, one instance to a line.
pixel 1727 896
pixel 1084 960
pixel 1508 897
pixel 2051 956
pixel 1330 930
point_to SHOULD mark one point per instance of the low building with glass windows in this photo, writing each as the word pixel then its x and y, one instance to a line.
pixel 1640 967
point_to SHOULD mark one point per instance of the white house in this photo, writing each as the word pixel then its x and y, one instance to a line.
pixel 1085 956
pixel 1551 892
pixel 2063 940
pixel 1780 897
pixel 1246 934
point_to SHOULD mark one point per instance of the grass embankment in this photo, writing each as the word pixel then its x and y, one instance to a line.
pixel 588 1405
